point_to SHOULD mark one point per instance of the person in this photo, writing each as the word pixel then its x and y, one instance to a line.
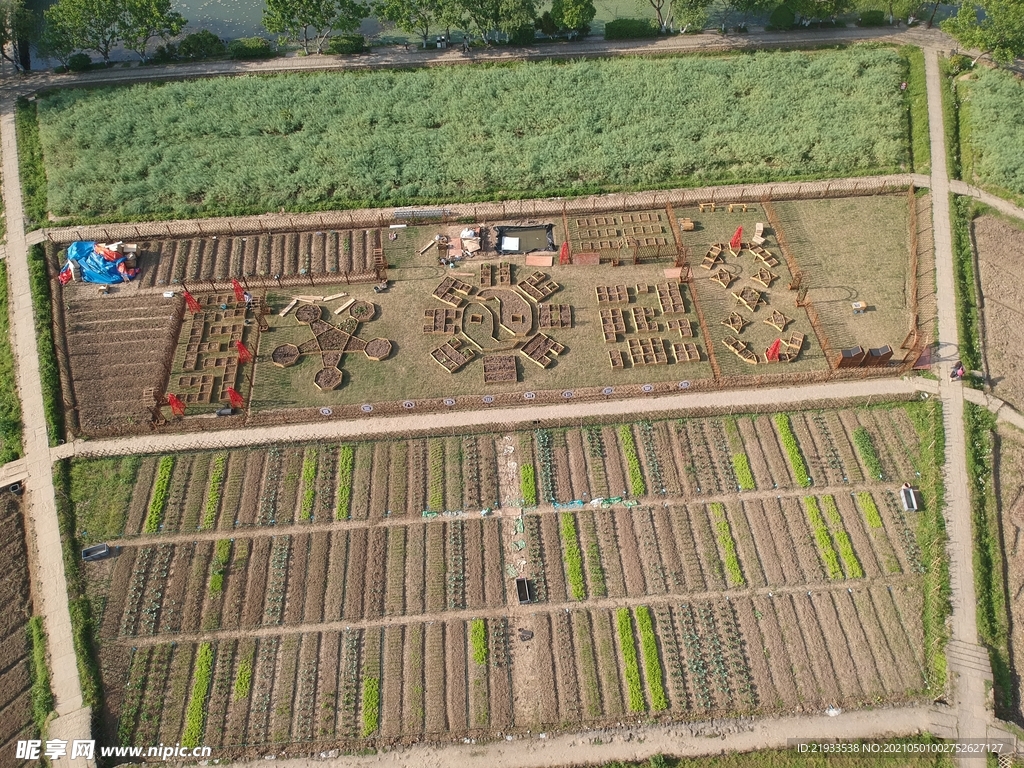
pixel 247 297
pixel 465 44
pixel 958 371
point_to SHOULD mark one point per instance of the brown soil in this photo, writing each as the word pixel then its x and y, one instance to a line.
pixel 999 254
pixel 609 545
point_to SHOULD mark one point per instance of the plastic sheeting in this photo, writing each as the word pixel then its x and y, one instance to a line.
pixel 98 264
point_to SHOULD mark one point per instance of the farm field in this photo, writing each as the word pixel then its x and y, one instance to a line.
pixel 354 595
pixel 998 243
pixel 16 710
pixel 257 144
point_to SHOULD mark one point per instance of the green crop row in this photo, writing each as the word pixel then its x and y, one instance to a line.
pixel 478 640
pixel 195 713
pixel 573 556
pixel 213 494
pixel 796 456
pixel 243 680
pixel 528 484
pixel 868 454
pixel 42 696
pixel 652 662
pixel 308 484
pixel 10 406
pixel 346 462
pixel 846 553
pixel 637 487
pixel 156 507
pixel 725 540
pixel 822 538
pixel 371 705
pixel 221 558
pixel 624 622
pixel 49 371
pixel 870 509
pixel 744 477
pixel 435 492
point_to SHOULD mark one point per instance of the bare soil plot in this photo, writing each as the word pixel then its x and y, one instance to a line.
pixel 1000 248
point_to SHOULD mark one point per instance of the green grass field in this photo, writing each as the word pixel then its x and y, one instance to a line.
pixel 318 141
pixel 992 131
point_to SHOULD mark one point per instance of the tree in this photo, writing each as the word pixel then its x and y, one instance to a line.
pixel 894 9
pixel 57 40
pixel 505 16
pixel 313 21
pixel 574 15
pixel 91 25
pixel 997 31
pixel 691 13
pixel 18 28
pixel 660 6
pixel 415 17
pixel 143 20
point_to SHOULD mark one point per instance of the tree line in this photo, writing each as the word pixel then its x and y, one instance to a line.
pixel 995 27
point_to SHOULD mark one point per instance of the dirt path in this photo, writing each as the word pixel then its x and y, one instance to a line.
pixel 49 588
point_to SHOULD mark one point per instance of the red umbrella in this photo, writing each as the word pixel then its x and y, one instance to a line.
pixel 193 305
pixel 177 407
pixel 239 291
pixel 563 254
pixel 244 355
pixel 772 354
pixel 736 239
pixel 236 400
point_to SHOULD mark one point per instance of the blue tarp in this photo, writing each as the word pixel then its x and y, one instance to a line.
pixel 98 265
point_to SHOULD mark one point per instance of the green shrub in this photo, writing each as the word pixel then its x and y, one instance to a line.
pixel 782 17
pixel 873 18
pixel 630 29
pixel 214 492
pixel 42 695
pixel 724 535
pixel 201 45
pixel 79 62
pixel 741 467
pixel 866 449
pixel 478 640
pixel 573 556
pixel 10 406
pixel 796 456
pixel 49 373
pixel 870 510
pixel 195 713
pixel 371 705
pixel 243 680
pixel 637 486
pixel 308 484
pixel 250 48
pixel 842 539
pixel 528 484
pixel 822 538
pixel 156 506
pixel 652 661
pixel 624 621
pixel 346 462
pixel 344 44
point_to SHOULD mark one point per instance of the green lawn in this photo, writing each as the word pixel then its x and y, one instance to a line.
pixel 329 140
pixel 992 131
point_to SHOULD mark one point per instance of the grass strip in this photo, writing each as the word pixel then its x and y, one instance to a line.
pixel 31 165
pixel 916 100
pixel 989 568
pixel 842 538
pixel 478 640
pixel 195 712
pixel 371 705
pixel 214 492
pixel 573 556
pixel 528 484
pixel 652 661
pixel 346 463
pixel 792 447
pixel 866 448
pixel 10 406
pixel 308 484
pixel 725 540
pixel 741 467
pixel 49 372
pixel 637 486
pixel 967 314
pixel 155 515
pixel 822 538
pixel 867 505
pixel 42 694
pixel 624 623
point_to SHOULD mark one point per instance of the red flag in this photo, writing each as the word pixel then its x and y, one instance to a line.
pixel 239 291
pixel 193 305
pixel 563 254
pixel 236 400
pixel 772 354
pixel 177 407
pixel 244 355
pixel 736 239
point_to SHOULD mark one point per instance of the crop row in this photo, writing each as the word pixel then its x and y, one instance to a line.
pixel 346 461
pixel 637 486
pixel 652 661
pixel 213 494
pixel 156 506
pixel 792 448
pixel 866 448
pixel 573 556
pixel 822 538
pixel 842 539
pixel 728 545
